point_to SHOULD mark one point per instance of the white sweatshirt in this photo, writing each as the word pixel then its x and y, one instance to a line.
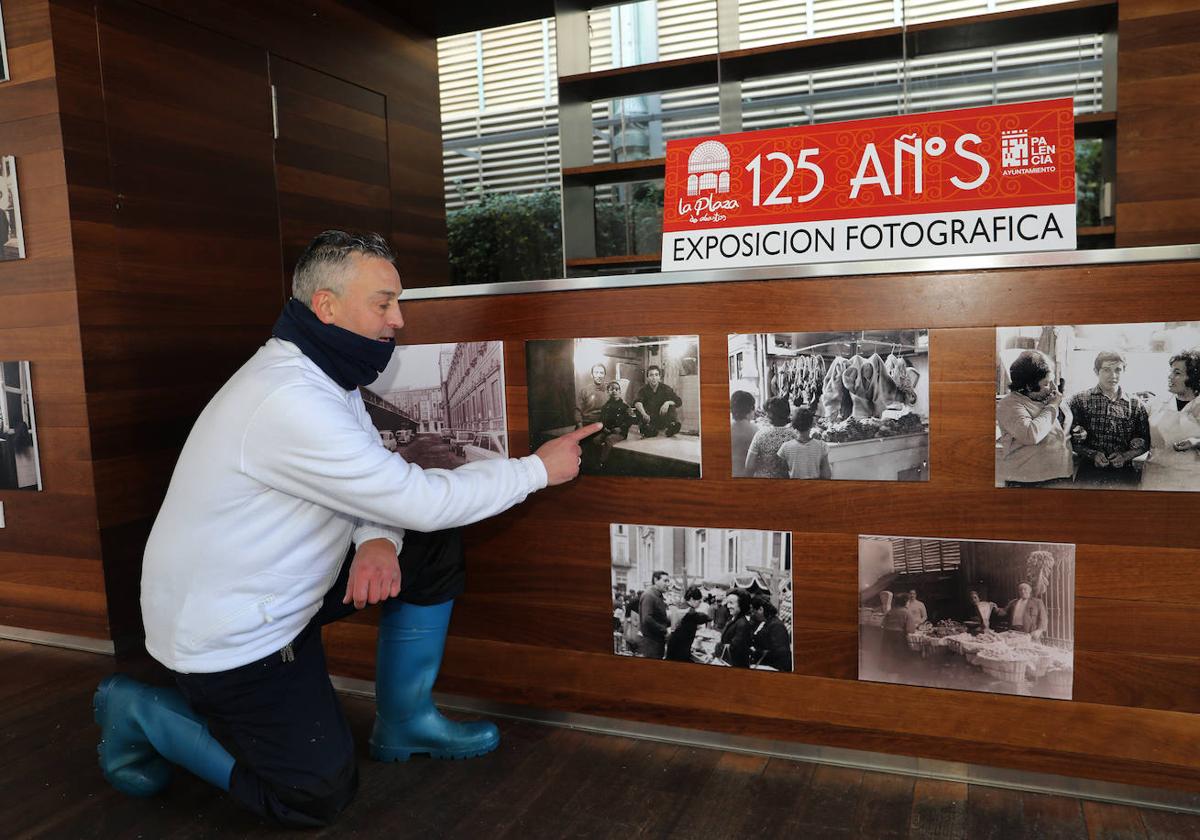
pixel 282 471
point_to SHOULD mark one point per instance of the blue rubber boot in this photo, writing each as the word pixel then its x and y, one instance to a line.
pixel 145 729
pixel 411 641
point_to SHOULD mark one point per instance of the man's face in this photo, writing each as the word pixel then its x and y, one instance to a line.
pixel 598 374
pixel 662 583
pixel 653 377
pixel 1109 375
pixel 1026 590
pixel 912 595
pixel 370 304
pixel 974 598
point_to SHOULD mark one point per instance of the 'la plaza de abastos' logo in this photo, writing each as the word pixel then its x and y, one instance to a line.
pixel 708 172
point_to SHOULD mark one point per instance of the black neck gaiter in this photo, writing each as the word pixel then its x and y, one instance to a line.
pixel 347 358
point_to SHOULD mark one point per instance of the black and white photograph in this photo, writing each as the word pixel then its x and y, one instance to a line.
pixel 3 50
pixel 644 389
pixel 850 405
pixel 442 405
pixel 1099 406
pixel 19 465
pixel 12 239
pixel 716 596
pixel 974 615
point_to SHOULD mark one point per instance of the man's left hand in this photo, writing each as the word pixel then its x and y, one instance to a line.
pixel 1119 460
pixel 667 406
pixel 374 574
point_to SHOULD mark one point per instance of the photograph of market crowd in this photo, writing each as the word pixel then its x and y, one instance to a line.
pixel 442 405
pixel 710 595
pixel 644 389
pixel 833 405
pixel 19 466
pixel 967 614
pixel 1099 406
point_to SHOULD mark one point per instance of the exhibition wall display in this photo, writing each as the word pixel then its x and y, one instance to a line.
pixel 644 389
pixel 1099 406
pixel 841 405
pixel 442 405
pixel 716 596
pixel 12 238
pixel 967 614
pixel 20 468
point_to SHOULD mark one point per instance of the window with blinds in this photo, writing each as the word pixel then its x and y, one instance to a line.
pixel 915 556
pixel 499 98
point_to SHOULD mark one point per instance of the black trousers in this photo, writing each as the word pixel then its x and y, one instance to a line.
pixel 280 718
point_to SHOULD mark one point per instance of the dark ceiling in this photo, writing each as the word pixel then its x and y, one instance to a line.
pixel 450 17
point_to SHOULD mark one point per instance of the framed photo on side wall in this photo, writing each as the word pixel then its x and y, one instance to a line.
pixel 3 50
pixel 12 239
pixel 20 467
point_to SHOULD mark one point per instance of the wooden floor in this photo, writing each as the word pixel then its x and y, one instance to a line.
pixel 541 782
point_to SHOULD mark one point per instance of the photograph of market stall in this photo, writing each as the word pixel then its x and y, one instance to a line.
pixel 851 405
pixel 645 389
pixel 715 596
pixel 967 614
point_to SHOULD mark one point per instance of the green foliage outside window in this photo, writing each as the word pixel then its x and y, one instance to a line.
pixel 505 237
pixel 1087 182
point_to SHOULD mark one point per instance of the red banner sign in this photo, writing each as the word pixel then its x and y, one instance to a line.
pixel 980 180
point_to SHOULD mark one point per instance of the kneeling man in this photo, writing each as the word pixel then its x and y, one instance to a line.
pixel 286 512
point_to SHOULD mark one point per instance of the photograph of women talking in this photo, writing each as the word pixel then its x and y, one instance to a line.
pixel 834 405
pixel 1099 406
pixel 975 615
pixel 715 596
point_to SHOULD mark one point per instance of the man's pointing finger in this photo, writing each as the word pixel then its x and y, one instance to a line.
pixel 580 434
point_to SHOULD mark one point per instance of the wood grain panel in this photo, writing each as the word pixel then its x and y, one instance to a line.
pixel 50 564
pixel 1158 89
pixel 331 163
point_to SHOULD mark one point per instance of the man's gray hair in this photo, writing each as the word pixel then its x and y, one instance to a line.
pixel 324 262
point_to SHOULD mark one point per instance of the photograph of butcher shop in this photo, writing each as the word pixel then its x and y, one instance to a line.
pixel 20 468
pixel 1099 406
pixel 974 615
pixel 645 390
pixel 714 596
pixel 850 405
pixel 442 405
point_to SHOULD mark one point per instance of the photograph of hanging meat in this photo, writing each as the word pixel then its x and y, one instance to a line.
pixel 851 405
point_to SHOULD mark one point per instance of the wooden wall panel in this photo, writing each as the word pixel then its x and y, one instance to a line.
pixel 186 214
pixel 1158 99
pixel 534 624
pixel 50 566
pixel 331 158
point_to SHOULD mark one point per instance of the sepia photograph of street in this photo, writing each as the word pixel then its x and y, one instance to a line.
pixel 714 596
pixel 644 389
pixel 974 615
pixel 1099 406
pixel 442 405
pixel 850 405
